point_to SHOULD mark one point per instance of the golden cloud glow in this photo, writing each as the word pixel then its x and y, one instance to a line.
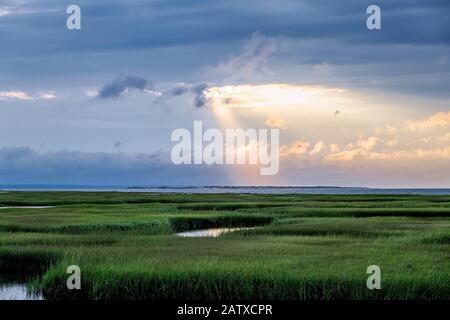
pixel 368 129
pixel 15 95
pixel 405 155
pixel 318 147
pixel 269 95
pixel 367 144
pixel 441 119
pixel 299 147
pixel 275 122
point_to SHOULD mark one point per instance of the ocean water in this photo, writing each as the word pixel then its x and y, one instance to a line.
pixel 232 189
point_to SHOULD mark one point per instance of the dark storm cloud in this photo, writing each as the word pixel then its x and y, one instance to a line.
pixel 197 90
pixel 18 166
pixel 175 38
pixel 115 88
pixel 36 30
pixel 170 38
pixel 199 95
pixel 114 25
pixel 178 91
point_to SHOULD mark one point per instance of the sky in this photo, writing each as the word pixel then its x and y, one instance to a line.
pixel 97 106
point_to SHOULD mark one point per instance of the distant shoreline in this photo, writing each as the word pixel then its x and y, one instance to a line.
pixel 232 189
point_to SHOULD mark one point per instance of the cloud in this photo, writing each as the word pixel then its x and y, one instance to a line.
pixel 197 90
pixel 188 35
pixel 299 147
pixel 367 144
pixel 334 147
pixel 318 147
pixel 91 93
pixel 406 142
pixel 18 10
pixel 402 155
pixel 18 166
pixel 387 130
pixel 410 141
pixel 441 119
pixel 121 84
pixel 279 95
pixel 20 95
pixel 49 95
pixel 275 122
pixel 250 64
pixel 4 11
pixel 199 95
pixel 178 90
pixel 444 139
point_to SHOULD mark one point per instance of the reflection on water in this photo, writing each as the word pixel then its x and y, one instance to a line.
pixel 212 233
pixel 17 291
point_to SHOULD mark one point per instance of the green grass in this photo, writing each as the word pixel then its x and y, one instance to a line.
pixel 306 246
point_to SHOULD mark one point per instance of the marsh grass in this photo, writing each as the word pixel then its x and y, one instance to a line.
pixel 222 285
pixel 27 261
pixel 306 247
pixel 156 227
pixel 287 268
